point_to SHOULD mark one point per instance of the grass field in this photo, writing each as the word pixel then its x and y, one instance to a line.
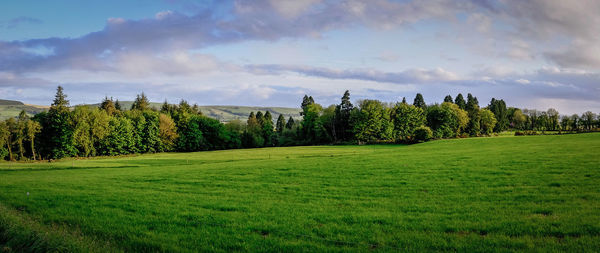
pixel 529 193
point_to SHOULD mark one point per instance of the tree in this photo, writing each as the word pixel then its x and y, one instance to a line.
pixel 372 122
pixel 518 119
pixel 488 121
pixel 151 132
pixel 329 120
pixel 260 118
pixel 191 138
pixel 472 108
pixel 446 120
pixel 4 140
pixel 82 139
pixel 419 101
pixel 588 119
pixel 109 106
pixel 306 101
pixel 57 132
pixel 118 106
pixel 553 116
pixel 342 118
pixel 313 131
pixel 166 108
pixel 267 129
pixel 565 123
pixel 32 129
pixel 11 126
pixel 422 134
pixel 141 103
pixel 406 119
pixel 448 99
pixel 280 123
pixel 119 139
pixel 253 137
pixel 575 122
pixel 99 129
pixel 290 123
pixel 20 133
pixel 460 101
pixel 404 100
pixel 498 107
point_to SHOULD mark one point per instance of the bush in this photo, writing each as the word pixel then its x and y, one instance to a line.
pixel 422 134
pixel 526 132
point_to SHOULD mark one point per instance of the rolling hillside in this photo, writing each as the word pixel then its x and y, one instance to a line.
pixel 10 108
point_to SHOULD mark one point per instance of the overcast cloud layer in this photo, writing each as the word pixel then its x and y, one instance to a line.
pixel 532 53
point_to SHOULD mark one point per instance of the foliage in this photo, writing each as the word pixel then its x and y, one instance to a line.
pixel 371 122
pixel 406 119
pixel 422 134
pixel 488 121
pixel 86 131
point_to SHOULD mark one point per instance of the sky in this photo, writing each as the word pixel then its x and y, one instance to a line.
pixel 535 54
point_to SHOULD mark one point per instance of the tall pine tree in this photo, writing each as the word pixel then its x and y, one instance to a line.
pixel 460 101
pixel 419 101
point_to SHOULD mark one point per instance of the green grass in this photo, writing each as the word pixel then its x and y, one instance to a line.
pixel 526 193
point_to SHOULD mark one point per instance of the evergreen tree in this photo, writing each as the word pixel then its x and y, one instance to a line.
pixel 109 106
pixel 306 101
pixel 290 123
pixel 141 103
pixel 166 108
pixel 342 118
pixel 419 101
pixel 448 99
pixel 280 123
pixel 472 108
pixel 267 129
pixel 118 105
pixel 260 118
pixel 498 107
pixel 460 101
pixel 57 131
pixel 404 100
pixel 253 137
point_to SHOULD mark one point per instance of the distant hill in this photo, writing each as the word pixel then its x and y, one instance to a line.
pixel 10 102
pixel 9 108
pixel 226 113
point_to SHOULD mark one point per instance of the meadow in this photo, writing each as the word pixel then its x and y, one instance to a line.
pixel 526 193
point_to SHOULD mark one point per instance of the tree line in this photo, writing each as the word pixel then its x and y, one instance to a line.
pixel 111 130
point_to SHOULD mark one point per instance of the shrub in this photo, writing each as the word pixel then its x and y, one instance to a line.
pixel 422 134
pixel 526 132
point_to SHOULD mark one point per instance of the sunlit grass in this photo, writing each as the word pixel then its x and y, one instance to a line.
pixel 475 194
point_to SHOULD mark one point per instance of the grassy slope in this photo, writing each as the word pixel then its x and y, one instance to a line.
pixel 478 194
pixel 10 108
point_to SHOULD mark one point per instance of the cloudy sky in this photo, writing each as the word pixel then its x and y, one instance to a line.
pixel 531 53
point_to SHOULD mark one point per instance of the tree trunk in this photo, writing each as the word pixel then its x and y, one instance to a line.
pixel 8 144
pixel 21 149
pixel 32 149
